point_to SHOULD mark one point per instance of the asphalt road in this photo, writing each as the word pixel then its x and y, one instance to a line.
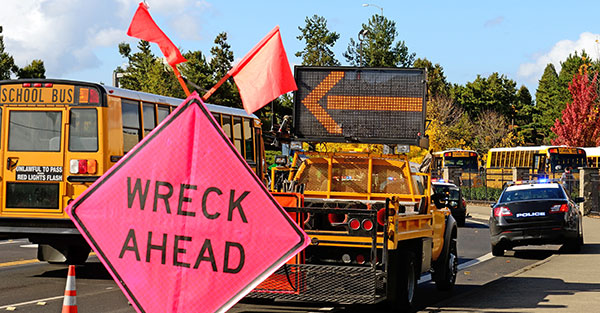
pixel 30 286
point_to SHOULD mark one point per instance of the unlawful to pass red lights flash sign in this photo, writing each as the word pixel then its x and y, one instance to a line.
pixel 182 223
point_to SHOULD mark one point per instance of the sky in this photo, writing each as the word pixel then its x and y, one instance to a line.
pixel 78 39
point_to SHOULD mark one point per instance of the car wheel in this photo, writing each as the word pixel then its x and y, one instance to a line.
pixel 460 221
pixel 497 250
pixel 573 245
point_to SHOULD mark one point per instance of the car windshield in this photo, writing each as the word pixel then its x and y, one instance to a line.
pixel 532 194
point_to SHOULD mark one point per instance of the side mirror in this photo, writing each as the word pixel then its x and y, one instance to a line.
pixel 492 205
pixel 578 199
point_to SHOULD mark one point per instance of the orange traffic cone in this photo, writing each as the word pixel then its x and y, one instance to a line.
pixel 70 302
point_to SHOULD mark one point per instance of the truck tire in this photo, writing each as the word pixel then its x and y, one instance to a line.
pixel 446 268
pixel 401 292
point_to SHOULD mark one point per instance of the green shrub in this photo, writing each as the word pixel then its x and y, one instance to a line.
pixel 481 193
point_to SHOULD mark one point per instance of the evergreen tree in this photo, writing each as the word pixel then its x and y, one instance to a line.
pixel 524 113
pixel 147 72
pixel 494 93
pixel 162 81
pixel 548 105
pixel 34 70
pixel 197 71
pixel 7 63
pixel 377 48
pixel 319 42
pixel 137 73
pixel 437 85
pixel 220 64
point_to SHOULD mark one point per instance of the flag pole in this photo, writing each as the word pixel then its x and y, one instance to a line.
pixel 180 79
pixel 215 87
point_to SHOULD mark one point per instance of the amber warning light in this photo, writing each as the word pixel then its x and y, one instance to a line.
pixel 48 93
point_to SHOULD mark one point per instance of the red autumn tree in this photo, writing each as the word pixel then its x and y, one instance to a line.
pixel 580 125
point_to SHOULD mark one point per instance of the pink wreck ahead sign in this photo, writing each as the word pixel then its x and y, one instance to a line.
pixel 182 223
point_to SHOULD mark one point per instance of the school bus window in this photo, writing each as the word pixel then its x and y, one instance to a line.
pixel 131 124
pixel 248 140
pixel 149 118
pixel 237 134
pixel 34 131
pixel 83 130
pixel 227 126
pixel 163 112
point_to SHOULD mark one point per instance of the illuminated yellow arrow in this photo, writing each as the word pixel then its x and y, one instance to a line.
pixel 409 104
pixel 371 103
pixel 312 102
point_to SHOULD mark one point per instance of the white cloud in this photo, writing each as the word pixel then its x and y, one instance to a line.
pixel 62 33
pixel 587 41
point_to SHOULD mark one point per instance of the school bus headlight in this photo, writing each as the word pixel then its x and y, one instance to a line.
pixel 83 166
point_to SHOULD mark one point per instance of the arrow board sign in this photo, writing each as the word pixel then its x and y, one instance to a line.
pixel 370 105
pixel 182 223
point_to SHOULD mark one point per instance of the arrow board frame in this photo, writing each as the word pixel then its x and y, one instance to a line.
pixel 364 105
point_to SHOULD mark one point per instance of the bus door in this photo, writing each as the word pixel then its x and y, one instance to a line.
pixel 539 164
pixel 33 161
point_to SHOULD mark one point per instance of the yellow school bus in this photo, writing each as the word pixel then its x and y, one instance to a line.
pixel 466 160
pixel 593 156
pixel 547 159
pixel 57 137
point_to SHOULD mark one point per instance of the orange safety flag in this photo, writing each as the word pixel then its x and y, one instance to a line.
pixel 143 27
pixel 264 73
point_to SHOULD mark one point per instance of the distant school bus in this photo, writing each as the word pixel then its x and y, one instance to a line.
pixel 540 159
pixel 57 137
pixel 593 156
pixel 466 160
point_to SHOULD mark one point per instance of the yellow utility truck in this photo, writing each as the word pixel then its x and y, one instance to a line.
pixel 375 225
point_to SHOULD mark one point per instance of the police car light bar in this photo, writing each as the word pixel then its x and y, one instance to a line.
pixel 534 181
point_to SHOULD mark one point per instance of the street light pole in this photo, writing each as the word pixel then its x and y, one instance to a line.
pixel 373 5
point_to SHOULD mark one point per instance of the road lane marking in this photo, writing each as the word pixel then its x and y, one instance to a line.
pixel 16 305
pixel 12 242
pixel 426 278
pixel 20 262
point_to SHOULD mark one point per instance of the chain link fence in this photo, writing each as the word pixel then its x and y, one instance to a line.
pixel 487 184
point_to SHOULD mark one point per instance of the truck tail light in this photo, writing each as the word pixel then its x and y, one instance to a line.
pixel 360 259
pixel 559 208
pixel 83 166
pixel 337 219
pixel 367 225
pixel 354 224
pixel 502 211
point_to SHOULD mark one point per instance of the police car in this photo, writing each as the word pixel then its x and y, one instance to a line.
pixel 453 198
pixel 534 213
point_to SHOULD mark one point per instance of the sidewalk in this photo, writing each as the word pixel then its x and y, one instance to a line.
pixel 560 283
